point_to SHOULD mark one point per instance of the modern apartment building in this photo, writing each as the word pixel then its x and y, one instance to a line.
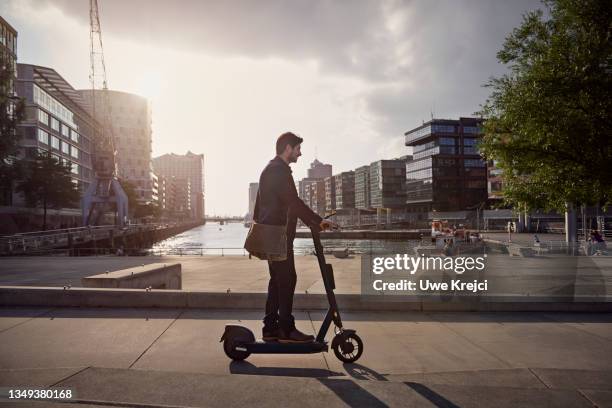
pixel 130 127
pixel 189 166
pixel 362 187
pixel 56 122
pixel 345 190
pixel 330 194
pixel 314 196
pixel 446 172
pixel 8 59
pixel 388 184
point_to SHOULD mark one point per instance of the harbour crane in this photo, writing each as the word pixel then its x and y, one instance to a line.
pixel 105 192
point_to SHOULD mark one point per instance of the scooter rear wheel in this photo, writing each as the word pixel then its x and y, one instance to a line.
pixel 229 347
pixel 348 347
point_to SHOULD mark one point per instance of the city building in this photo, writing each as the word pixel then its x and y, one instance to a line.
pixel 189 166
pixel 8 59
pixel 179 195
pixel 56 122
pixel 319 170
pixel 362 187
pixel 130 127
pixel 345 190
pixel 162 192
pixel 388 184
pixel 315 191
pixel 253 190
pixel 330 194
pixel 446 172
pixel 302 188
pixel 494 181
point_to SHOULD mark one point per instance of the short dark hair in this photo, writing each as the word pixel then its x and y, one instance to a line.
pixel 285 139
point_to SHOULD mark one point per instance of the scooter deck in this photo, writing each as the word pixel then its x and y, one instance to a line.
pixel 260 346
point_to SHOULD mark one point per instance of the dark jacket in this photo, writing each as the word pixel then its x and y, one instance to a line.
pixel 277 200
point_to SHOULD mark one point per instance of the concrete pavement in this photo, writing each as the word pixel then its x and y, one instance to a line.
pixel 172 357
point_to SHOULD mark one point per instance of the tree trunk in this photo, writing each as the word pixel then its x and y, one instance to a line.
pixel 570 224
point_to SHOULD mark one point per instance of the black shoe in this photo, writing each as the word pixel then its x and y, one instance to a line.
pixel 270 334
pixel 294 336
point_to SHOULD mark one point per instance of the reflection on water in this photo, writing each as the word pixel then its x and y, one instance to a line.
pixel 213 237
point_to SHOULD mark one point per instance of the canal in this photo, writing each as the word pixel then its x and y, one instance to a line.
pixel 213 238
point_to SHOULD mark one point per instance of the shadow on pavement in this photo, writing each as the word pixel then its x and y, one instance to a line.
pixel 432 396
pixel 351 393
pixel 244 367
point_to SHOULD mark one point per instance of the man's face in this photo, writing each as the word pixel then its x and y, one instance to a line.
pixel 295 152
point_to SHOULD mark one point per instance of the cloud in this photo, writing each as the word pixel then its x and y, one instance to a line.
pixel 418 56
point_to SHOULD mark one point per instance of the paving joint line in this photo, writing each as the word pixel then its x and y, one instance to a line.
pixel 47 311
pixel 69 377
pixel 580 329
pixel 157 338
pixel 583 395
pixel 538 377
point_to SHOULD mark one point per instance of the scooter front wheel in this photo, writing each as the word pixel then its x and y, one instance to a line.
pixel 348 347
pixel 229 347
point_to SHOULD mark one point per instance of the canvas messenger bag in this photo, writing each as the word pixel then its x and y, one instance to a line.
pixel 267 242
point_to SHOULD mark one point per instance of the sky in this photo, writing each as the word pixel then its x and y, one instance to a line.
pixel 225 78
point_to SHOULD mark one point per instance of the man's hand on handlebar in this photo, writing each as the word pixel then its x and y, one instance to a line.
pixel 328 225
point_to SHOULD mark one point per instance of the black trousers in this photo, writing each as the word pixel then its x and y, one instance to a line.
pixel 281 287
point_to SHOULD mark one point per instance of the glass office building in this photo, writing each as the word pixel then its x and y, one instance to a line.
pixel 56 121
pixel 446 172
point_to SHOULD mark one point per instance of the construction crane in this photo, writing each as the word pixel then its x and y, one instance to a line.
pixel 104 193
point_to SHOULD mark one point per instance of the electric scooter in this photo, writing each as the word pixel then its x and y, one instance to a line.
pixel 239 342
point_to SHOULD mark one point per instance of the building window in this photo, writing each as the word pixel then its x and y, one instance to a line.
pixel 55 125
pixel 74 152
pixel 55 143
pixel 43 136
pixel 74 168
pixel 65 148
pixel 474 163
pixel 74 136
pixel 45 100
pixel 65 130
pixel 446 141
pixel 472 129
pixel 43 117
pixel 443 129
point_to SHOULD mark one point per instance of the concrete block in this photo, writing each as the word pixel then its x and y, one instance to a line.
pixel 156 276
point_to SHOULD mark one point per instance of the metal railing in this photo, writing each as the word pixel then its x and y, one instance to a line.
pixel 29 242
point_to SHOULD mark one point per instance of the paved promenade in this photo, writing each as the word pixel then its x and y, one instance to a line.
pixel 167 357
pixel 560 276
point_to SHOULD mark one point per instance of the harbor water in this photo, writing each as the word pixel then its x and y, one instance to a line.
pixel 228 239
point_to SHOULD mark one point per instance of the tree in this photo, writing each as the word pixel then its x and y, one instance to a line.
pixel 548 121
pixel 12 112
pixel 46 183
pixel 136 209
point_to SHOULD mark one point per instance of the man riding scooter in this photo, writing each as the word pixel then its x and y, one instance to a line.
pixel 278 204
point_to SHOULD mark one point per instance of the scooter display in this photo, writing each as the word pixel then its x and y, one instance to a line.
pixel 239 342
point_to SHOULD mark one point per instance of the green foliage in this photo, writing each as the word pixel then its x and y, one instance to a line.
pixel 548 122
pixel 46 183
pixel 138 210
